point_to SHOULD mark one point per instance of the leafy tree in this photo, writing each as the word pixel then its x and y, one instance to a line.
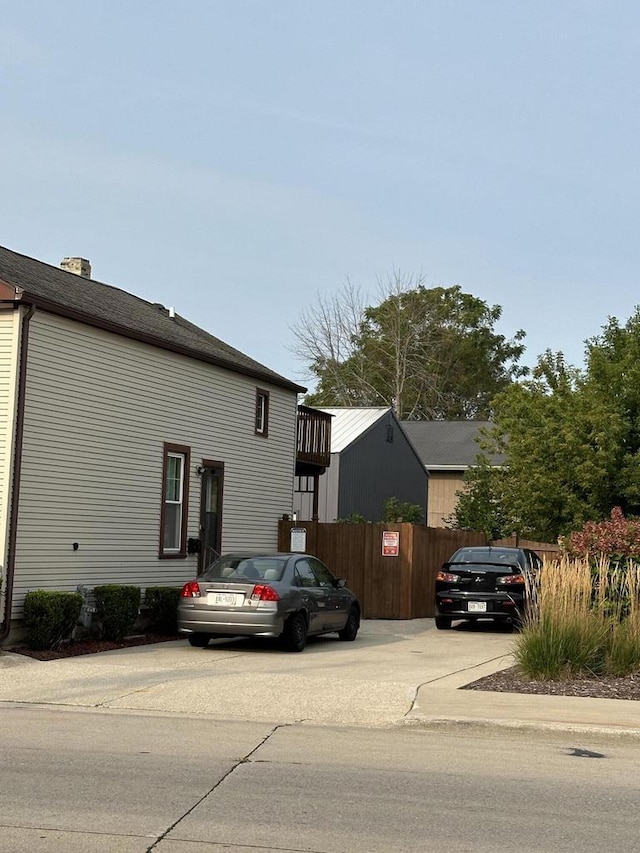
pixel 571 439
pixel 429 353
pixel 481 504
pixel 613 364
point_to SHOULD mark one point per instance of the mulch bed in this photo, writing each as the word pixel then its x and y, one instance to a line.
pixel 72 648
pixel 512 681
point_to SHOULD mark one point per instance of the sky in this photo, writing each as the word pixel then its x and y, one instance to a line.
pixel 236 159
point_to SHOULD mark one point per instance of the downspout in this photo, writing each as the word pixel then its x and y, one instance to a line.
pixel 5 625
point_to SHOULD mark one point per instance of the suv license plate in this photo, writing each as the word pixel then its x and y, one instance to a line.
pixel 477 607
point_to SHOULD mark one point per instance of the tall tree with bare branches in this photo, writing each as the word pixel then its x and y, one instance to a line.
pixel 429 353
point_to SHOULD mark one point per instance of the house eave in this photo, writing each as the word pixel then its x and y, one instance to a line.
pixel 11 294
pixel 460 468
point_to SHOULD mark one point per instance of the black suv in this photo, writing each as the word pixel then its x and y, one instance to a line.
pixel 483 582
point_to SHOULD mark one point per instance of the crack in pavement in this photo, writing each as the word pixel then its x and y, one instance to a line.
pixel 244 760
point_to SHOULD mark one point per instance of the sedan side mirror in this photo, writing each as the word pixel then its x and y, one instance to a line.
pixel 341 582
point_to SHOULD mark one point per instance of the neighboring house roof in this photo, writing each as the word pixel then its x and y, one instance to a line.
pixel 68 294
pixel 448 445
pixel 350 423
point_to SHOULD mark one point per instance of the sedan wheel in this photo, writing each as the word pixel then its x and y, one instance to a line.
pixel 350 630
pixel 199 640
pixel 294 636
pixel 443 623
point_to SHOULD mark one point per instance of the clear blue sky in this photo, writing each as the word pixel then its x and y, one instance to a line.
pixel 234 159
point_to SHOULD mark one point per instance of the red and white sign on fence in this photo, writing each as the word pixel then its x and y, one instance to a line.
pixel 390 543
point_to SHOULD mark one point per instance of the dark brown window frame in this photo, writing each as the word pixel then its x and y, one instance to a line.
pixel 185 451
pixel 218 467
pixel 298 484
pixel 262 394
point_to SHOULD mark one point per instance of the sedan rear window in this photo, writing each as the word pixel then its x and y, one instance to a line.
pixel 486 555
pixel 253 568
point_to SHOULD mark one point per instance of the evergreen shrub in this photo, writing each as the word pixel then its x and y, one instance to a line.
pixel 117 608
pixel 161 603
pixel 50 617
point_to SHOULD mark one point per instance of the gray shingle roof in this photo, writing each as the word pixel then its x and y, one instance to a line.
pixel 108 307
pixel 448 444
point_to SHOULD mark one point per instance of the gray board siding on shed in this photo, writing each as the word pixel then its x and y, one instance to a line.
pixel 372 470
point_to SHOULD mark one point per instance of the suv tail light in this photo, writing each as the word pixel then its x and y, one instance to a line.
pixel 264 592
pixel 508 579
pixel 190 590
pixel 447 577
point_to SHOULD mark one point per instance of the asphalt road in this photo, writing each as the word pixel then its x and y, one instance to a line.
pixel 104 780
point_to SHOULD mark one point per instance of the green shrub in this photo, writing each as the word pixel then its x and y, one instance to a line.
pixel 397 511
pixel 354 518
pixel 117 609
pixel 50 617
pixel 162 608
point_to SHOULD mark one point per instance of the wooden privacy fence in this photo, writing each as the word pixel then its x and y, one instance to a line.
pixel 544 549
pixel 393 585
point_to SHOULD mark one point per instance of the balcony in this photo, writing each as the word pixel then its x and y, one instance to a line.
pixel 313 448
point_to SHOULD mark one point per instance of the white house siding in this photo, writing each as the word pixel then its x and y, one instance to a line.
pixel 9 347
pixel 303 505
pixel 98 409
pixel 328 484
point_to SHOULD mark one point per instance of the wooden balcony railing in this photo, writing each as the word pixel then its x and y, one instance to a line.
pixel 314 437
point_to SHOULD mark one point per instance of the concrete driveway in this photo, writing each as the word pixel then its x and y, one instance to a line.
pixel 373 681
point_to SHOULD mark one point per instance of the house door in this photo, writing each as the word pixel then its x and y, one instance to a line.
pixel 210 514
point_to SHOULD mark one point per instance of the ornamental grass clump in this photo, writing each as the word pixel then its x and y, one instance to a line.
pixel 623 655
pixel 562 635
pixel 583 620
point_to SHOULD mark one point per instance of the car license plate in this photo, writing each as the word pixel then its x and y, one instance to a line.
pixel 477 607
pixel 225 599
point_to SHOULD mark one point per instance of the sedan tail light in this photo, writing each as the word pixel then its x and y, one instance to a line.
pixel 508 579
pixel 264 592
pixel 190 590
pixel 447 577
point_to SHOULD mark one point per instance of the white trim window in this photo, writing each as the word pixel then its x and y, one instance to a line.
pixel 262 412
pixel 173 523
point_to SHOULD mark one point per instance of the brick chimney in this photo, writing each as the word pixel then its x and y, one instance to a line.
pixel 78 266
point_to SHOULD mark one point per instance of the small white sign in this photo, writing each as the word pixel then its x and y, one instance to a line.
pixel 298 539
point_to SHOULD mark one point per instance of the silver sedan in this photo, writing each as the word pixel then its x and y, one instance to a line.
pixel 291 596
